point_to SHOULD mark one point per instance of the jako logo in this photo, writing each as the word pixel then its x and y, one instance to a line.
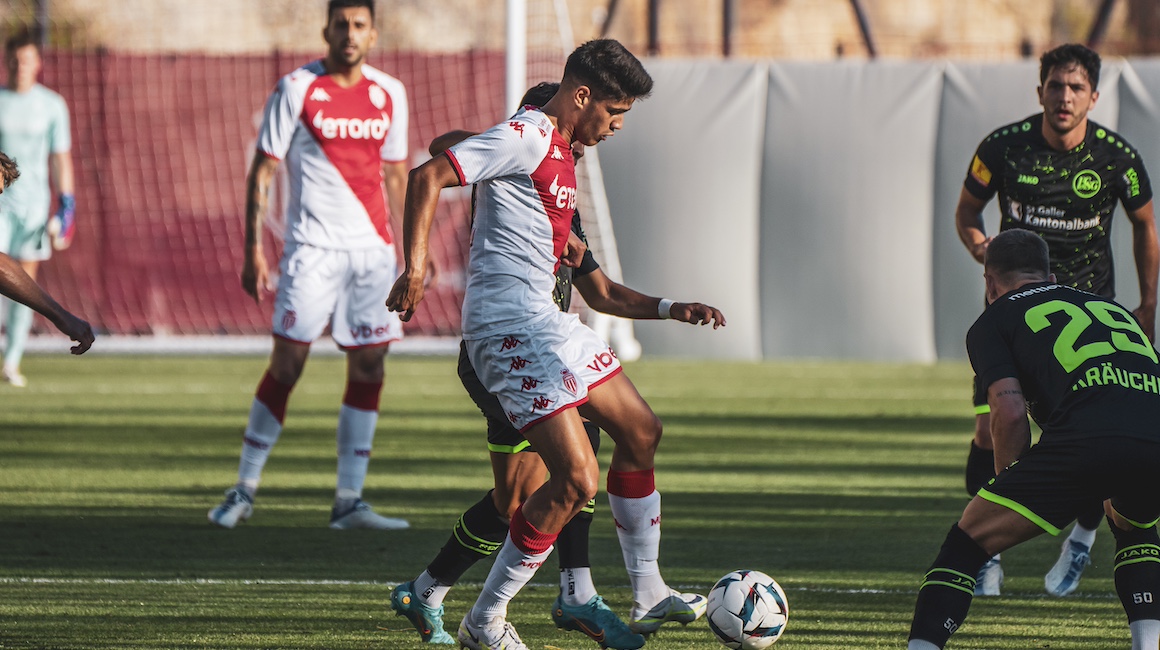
pixel 602 361
pixel 344 128
pixel 565 196
pixel 366 331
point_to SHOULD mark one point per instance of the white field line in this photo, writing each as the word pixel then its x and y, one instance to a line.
pixel 378 583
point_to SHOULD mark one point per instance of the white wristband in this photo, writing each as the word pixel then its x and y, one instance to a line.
pixel 663 309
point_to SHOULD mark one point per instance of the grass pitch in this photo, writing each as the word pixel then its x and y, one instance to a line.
pixel 840 480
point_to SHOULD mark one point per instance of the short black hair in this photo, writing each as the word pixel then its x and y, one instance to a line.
pixel 1068 54
pixel 609 69
pixel 540 94
pixel 22 37
pixel 1017 251
pixel 342 4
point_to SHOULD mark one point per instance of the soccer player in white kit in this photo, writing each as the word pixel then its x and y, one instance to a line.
pixel 341 127
pixel 545 366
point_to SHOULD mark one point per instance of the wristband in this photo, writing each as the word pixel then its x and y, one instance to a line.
pixel 663 309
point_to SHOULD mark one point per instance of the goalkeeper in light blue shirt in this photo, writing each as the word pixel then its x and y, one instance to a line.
pixel 34 130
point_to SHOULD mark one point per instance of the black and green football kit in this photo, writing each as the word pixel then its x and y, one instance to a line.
pixel 1067 197
pixel 1092 382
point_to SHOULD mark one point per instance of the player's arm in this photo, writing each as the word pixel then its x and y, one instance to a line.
pixel 1147 254
pixel 1010 429
pixel 423 187
pixel 16 285
pixel 444 142
pixel 608 297
pixel 255 270
pixel 61 165
pixel 969 224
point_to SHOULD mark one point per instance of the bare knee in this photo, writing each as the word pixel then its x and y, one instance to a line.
pixel 638 447
pixel 366 364
pixel 577 489
pixel 287 363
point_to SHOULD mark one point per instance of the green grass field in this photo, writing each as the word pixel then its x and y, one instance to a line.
pixel 839 480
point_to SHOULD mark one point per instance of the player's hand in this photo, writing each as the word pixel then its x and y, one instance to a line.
pixel 77 330
pixel 979 251
pixel 697 314
pixel 255 274
pixel 406 294
pixel 574 251
pixel 1146 317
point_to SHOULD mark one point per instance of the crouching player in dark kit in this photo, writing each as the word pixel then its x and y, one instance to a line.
pixel 1083 368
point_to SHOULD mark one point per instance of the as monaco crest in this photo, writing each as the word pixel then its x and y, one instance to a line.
pixel 377 97
pixel 569 380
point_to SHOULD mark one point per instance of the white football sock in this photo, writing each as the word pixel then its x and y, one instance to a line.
pixel 576 586
pixel 428 590
pixel 1145 634
pixel 1082 535
pixel 356 432
pixel 919 644
pixel 19 325
pixel 512 570
pixel 639 531
pixel 262 432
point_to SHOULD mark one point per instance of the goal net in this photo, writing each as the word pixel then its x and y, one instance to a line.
pixel 164 124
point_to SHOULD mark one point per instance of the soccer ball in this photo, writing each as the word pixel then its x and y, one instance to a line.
pixel 747 610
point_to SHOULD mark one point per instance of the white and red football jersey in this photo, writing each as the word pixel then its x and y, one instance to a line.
pixel 525 196
pixel 334 141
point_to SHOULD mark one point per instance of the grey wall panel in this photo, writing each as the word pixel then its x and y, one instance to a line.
pixel 976 99
pixel 682 180
pixel 1139 122
pixel 846 200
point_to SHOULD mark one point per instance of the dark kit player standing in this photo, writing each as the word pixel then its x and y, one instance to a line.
pixel 1059 174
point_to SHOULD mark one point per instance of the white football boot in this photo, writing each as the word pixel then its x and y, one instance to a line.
pixel 238 506
pixel 360 515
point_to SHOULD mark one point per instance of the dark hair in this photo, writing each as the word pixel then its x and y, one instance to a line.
pixel 609 69
pixel 23 37
pixel 342 4
pixel 540 94
pixel 1017 251
pixel 1069 54
pixel 8 171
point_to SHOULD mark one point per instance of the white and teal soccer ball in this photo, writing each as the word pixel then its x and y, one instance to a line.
pixel 747 610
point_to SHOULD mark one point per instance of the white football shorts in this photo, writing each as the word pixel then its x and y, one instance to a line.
pixel 540 371
pixel 345 288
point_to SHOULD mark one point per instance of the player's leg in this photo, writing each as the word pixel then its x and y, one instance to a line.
pixel 617 407
pixel 302 307
pixel 573 473
pixel 986 529
pixel 1075 555
pixel 579 607
pixel 1132 514
pixel 364 328
pixel 26 241
pixel 980 470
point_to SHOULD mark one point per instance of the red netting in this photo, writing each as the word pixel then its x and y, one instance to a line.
pixel 162 145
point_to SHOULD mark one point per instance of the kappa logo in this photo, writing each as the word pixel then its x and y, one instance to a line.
pixel 602 361
pixel 541 402
pixel 556 155
pixel 518 126
pixel 518 364
pixel 529 383
pixel 319 95
pixel 509 342
pixel 512 417
pixel 569 380
pixel 565 196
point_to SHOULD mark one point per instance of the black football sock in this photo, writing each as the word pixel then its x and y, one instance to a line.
pixel 980 468
pixel 1137 572
pixel 947 589
pixel 479 532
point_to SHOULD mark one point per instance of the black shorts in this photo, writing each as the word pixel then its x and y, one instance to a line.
pixel 502 437
pixel 1054 482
